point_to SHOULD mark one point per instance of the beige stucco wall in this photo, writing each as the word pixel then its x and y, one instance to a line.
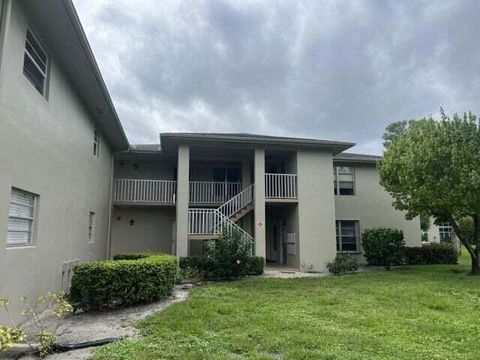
pixel 372 206
pixel 46 148
pixel 151 229
pixel 316 210
pixel 145 169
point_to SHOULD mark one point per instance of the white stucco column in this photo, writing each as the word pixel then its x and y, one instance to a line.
pixel 182 199
pixel 259 223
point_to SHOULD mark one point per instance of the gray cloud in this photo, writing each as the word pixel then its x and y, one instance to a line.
pixel 328 69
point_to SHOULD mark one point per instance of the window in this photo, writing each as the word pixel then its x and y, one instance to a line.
pixel 96 143
pixel 347 235
pixel 21 217
pixel 91 227
pixel 35 63
pixel 343 183
pixel 445 232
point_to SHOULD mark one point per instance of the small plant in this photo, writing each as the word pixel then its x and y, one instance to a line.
pixel 383 246
pixel 189 274
pixel 53 303
pixel 45 342
pixel 308 268
pixel 10 336
pixel 342 264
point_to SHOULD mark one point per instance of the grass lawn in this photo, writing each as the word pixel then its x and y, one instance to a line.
pixel 418 312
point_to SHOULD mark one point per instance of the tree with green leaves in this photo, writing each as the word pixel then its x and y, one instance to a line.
pixel 433 168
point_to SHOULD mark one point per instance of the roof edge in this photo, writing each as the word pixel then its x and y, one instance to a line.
pixel 257 139
pixel 87 50
pixel 357 158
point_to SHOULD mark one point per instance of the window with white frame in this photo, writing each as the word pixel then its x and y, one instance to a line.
pixel 347 235
pixel 344 180
pixel 35 63
pixel 445 232
pixel 96 143
pixel 91 227
pixel 21 217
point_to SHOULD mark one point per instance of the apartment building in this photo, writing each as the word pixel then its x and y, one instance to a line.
pixel 299 201
pixel 58 133
pixel 72 189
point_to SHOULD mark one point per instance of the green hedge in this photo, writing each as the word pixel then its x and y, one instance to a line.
pixel 129 279
pixel 254 266
pixel 213 270
pixel 383 246
pixel 133 256
pixel 431 254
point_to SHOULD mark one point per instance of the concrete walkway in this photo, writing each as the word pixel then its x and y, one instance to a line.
pixel 284 272
pixel 106 324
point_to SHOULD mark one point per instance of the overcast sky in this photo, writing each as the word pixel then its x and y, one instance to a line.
pixel 339 70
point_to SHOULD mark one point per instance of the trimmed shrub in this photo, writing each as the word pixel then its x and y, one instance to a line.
pixel 133 256
pixel 431 254
pixel 194 262
pixel 211 270
pixel 228 256
pixel 342 264
pixel 136 278
pixel 383 246
pixel 254 265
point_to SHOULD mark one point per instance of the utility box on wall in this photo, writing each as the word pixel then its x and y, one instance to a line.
pixel 291 243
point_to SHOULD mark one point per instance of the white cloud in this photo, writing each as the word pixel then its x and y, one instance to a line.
pixel 327 69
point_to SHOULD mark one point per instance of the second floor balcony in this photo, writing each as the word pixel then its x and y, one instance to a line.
pixel 204 193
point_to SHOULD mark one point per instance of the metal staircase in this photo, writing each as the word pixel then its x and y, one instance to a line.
pixel 206 224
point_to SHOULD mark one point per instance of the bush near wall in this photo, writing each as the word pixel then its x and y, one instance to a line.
pixel 383 246
pixel 431 254
pixel 212 270
pixel 342 263
pixel 228 257
pixel 128 279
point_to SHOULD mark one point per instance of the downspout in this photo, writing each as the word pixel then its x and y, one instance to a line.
pixel 110 208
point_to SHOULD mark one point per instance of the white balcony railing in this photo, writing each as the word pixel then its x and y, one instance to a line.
pixel 144 191
pixel 281 186
pixel 213 192
pixel 203 222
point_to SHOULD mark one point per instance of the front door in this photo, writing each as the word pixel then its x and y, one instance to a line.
pixel 274 243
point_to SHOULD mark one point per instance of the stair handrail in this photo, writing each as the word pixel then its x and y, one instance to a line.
pixel 221 217
pixel 213 222
pixel 238 202
pixel 225 223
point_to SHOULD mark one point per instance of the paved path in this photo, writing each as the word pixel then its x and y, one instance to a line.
pixel 283 272
pixel 106 324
